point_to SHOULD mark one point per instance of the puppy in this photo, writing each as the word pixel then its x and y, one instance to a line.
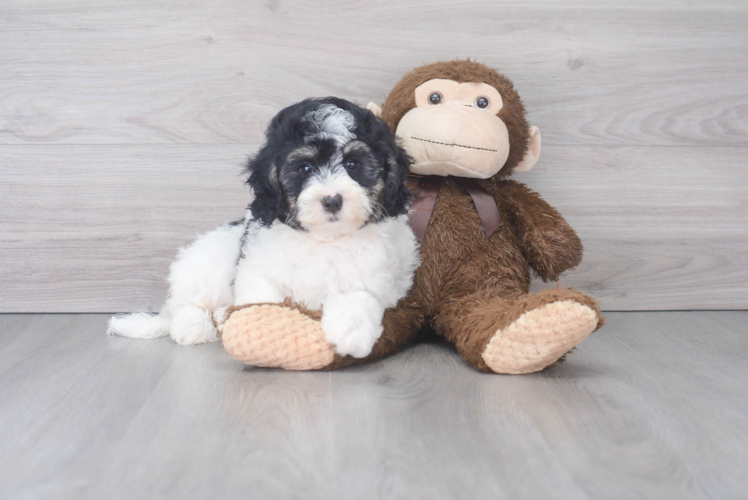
pixel 327 228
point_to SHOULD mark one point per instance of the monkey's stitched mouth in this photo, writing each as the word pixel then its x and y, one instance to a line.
pixel 457 145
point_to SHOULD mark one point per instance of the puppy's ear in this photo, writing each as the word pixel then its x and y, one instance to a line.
pixel 269 203
pixel 396 197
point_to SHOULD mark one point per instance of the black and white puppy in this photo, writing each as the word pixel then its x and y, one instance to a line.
pixel 327 227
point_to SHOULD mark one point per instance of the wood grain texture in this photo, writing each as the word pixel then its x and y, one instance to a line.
pixel 94 228
pixel 632 414
pixel 79 235
pixel 665 73
pixel 663 227
pixel 123 126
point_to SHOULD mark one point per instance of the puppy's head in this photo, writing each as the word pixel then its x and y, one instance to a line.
pixel 328 167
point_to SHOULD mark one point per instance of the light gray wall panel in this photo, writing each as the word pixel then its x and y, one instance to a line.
pixel 95 227
pixel 123 126
pixel 202 72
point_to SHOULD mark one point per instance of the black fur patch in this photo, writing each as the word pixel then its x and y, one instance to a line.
pixel 277 172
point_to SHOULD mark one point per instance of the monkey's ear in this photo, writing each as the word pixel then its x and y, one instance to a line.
pixel 269 203
pixel 533 152
pixel 374 109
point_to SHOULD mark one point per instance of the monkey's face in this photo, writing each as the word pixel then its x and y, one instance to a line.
pixel 455 130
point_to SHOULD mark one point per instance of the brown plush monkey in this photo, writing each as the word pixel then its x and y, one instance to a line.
pixel 481 233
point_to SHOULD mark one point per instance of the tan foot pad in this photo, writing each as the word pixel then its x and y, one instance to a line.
pixel 276 336
pixel 539 337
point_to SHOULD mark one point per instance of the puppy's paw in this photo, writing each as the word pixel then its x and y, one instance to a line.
pixel 191 325
pixel 356 341
pixel 352 323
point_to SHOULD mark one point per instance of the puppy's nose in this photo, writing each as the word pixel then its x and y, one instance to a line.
pixel 332 203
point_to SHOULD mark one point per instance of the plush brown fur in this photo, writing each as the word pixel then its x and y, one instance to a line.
pixel 469 286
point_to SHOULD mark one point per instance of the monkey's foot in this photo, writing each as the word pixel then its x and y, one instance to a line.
pixel 542 333
pixel 277 335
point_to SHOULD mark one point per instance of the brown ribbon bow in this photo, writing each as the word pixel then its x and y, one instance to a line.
pixel 428 190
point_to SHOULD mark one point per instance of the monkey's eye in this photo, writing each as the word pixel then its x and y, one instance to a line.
pixel 482 102
pixel 306 169
pixel 435 98
pixel 351 164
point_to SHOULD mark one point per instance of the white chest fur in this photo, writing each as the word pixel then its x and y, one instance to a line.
pixel 280 262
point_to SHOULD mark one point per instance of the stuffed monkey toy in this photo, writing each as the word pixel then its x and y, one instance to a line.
pixel 481 235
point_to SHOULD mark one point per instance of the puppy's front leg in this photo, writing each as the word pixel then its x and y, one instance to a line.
pixel 352 322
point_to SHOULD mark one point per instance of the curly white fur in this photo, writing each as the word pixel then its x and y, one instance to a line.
pixel 353 278
pixel 349 259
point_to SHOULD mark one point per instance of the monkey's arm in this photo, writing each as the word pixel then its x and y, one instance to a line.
pixel 547 240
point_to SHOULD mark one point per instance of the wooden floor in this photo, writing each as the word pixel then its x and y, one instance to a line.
pixel 652 406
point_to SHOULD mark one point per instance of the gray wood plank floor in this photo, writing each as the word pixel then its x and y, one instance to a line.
pixel 652 406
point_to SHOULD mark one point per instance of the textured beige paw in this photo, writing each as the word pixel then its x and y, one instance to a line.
pixel 276 336
pixel 539 337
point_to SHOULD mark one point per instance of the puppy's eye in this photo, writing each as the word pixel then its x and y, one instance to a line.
pixel 482 102
pixel 435 98
pixel 351 164
pixel 306 169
